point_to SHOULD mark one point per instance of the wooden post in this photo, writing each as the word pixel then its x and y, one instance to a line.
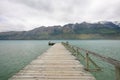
pixel 87 61
pixel 77 53
pixel 73 49
pixel 117 70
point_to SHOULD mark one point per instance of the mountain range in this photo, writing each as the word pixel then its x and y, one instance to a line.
pixel 81 31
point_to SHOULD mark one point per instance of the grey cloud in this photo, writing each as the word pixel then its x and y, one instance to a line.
pixel 29 14
pixel 36 4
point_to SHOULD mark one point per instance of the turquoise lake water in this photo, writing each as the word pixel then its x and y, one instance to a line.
pixel 16 54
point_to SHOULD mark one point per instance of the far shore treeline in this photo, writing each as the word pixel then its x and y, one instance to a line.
pixel 82 31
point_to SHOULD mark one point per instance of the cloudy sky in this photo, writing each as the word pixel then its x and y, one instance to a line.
pixel 27 14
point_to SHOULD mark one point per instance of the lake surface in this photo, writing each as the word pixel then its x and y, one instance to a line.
pixel 16 54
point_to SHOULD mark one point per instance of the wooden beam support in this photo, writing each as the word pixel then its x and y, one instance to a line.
pixel 117 70
pixel 87 61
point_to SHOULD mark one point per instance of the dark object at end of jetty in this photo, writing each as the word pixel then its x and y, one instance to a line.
pixel 50 43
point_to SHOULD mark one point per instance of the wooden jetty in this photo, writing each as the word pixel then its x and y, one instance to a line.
pixel 57 63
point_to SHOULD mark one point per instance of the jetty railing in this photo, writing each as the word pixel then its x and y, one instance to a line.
pixel 76 51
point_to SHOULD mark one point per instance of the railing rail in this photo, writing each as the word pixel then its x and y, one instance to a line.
pixel 112 61
pixel 107 59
